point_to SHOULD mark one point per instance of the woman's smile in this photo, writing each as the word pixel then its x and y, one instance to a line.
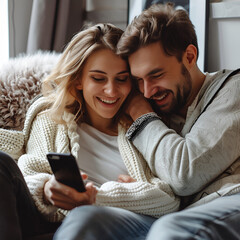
pixel 105 84
pixel 108 101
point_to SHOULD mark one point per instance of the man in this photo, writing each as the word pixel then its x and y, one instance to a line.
pixel 189 135
pixel 195 144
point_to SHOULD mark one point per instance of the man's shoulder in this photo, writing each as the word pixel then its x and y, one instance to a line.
pixel 221 79
pixel 226 74
pixel 223 84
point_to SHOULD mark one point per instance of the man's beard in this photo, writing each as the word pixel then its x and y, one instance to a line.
pixel 182 95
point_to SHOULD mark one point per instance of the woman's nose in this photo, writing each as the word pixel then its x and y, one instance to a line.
pixel 110 89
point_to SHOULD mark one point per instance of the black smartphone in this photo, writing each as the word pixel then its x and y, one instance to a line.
pixel 65 170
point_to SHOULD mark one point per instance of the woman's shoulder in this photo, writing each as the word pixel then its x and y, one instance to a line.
pixel 38 109
pixel 38 104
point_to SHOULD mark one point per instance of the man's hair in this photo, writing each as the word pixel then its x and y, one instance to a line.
pixel 159 23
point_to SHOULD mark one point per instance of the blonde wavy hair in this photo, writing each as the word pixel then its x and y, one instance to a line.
pixel 60 86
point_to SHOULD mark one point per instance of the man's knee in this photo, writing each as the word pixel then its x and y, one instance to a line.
pixel 166 221
pixel 89 222
pixel 88 213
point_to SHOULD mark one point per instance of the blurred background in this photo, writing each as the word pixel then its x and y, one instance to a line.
pixel 27 26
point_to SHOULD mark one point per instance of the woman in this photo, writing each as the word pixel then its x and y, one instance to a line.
pixel 80 112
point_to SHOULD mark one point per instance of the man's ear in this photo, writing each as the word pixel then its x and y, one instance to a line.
pixel 190 56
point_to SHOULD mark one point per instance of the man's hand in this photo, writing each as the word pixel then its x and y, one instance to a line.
pixel 125 179
pixel 67 198
pixel 137 105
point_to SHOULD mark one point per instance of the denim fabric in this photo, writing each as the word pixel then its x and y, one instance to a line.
pixel 216 220
pixel 103 223
pixel 19 216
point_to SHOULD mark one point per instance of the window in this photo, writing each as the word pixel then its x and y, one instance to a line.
pixel 4 40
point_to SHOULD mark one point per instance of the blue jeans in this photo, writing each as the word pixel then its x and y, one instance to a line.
pixel 108 223
pixel 19 217
pixel 219 219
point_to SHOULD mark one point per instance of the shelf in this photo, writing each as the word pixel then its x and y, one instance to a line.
pixel 229 9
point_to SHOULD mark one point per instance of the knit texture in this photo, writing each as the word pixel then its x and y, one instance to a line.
pixel 148 195
pixel 11 142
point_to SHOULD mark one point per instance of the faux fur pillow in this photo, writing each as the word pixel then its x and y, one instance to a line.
pixel 20 82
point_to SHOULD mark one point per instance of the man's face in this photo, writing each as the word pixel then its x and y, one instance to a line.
pixel 161 78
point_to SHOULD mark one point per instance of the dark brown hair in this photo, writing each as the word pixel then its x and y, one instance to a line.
pixel 160 22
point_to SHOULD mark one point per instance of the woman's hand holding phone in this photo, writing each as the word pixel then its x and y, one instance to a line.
pixel 67 198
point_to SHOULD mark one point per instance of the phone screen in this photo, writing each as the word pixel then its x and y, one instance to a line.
pixel 65 170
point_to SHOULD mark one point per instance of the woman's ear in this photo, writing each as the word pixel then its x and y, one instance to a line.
pixel 190 56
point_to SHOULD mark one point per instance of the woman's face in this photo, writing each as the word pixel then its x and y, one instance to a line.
pixel 105 83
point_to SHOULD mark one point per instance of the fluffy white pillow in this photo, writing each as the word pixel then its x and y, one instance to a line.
pixel 20 82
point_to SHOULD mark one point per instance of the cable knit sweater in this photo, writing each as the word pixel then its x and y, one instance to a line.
pixel 148 195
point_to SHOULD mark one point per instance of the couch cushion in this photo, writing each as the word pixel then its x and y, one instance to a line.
pixel 20 82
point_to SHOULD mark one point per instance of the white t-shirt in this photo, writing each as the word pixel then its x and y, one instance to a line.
pixel 99 156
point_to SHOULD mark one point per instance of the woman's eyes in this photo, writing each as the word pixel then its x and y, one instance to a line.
pixel 98 79
pixel 119 79
pixel 122 79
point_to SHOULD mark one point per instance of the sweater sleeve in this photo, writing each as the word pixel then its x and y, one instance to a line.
pixel 11 142
pixel 42 138
pixel 148 195
pixel 153 199
pixel 190 162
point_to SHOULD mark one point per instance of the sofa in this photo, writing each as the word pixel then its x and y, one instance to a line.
pixel 20 83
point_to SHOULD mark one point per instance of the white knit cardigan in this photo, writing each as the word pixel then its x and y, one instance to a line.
pixel 148 195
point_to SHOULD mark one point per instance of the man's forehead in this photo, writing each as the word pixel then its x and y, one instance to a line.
pixel 145 60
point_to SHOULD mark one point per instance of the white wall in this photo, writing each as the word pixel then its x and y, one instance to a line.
pixel 224 36
pixel 135 8
pixel 197 14
pixel 4 40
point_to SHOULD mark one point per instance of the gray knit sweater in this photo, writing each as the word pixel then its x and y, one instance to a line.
pixel 203 161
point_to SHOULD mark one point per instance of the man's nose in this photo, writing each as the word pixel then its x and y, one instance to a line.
pixel 147 89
